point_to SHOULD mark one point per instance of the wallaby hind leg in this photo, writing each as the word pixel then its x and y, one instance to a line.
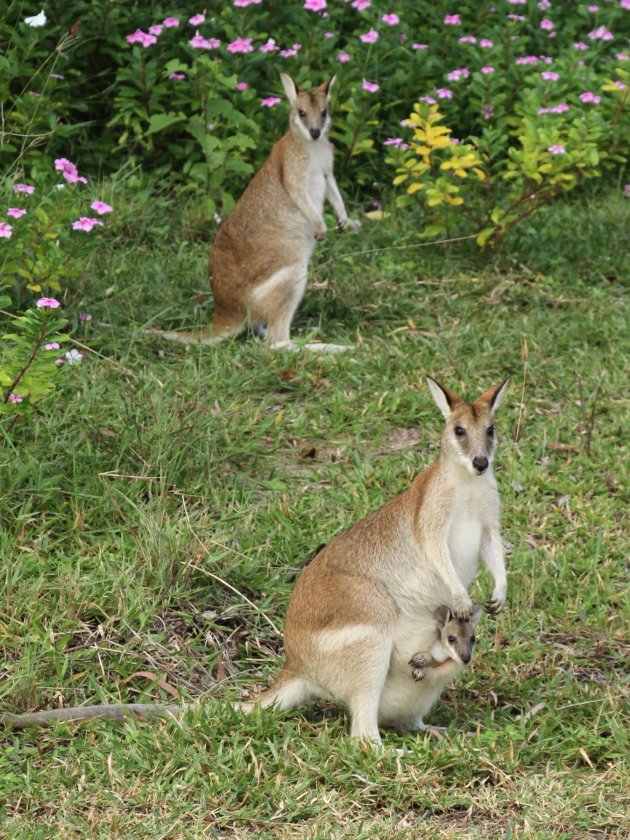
pixel 285 693
pixel 275 301
pixel 221 328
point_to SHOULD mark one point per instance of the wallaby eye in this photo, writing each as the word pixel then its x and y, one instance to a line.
pixel 460 431
pixel 324 114
pixel 451 640
pixel 302 113
pixel 472 639
pixel 490 431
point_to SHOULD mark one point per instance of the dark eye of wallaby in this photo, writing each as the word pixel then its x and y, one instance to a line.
pixel 490 431
pixel 452 640
pixel 459 431
pixel 472 640
pixel 324 113
pixel 302 113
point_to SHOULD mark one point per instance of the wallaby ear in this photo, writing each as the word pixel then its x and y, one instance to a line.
pixel 476 615
pixel 290 88
pixel 494 396
pixel 442 615
pixel 444 399
pixel 326 86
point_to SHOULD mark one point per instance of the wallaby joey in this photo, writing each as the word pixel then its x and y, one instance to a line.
pixel 455 641
pixel 366 603
pixel 260 255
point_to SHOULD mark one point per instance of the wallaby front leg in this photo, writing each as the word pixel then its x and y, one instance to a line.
pixel 462 605
pixel 493 555
pixel 334 197
pixel 419 663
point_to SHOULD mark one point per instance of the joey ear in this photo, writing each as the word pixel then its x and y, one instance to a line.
pixel 494 396
pixel 290 88
pixel 442 615
pixel 444 399
pixel 476 615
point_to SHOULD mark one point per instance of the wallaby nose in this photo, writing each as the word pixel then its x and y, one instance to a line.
pixel 480 464
pixel 466 657
pixel 315 132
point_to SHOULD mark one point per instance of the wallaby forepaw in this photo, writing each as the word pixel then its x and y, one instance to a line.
pixel 418 666
pixel 494 606
pixel 463 609
pixel 342 224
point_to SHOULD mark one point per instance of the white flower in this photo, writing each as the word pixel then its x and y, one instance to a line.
pixel 73 357
pixel 36 20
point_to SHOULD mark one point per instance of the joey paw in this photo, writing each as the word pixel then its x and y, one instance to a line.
pixel 342 224
pixel 418 666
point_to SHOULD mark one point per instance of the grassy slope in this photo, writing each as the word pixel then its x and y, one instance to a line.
pixel 155 520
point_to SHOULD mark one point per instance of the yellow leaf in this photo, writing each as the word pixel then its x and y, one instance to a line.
pixel 377 215
pixel 34 287
pixel 399 179
pixel 413 188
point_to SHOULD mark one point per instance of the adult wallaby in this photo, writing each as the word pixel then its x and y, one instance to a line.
pixel 260 255
pixel 366 604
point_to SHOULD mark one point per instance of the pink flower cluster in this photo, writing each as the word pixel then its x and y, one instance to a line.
pixel 69 171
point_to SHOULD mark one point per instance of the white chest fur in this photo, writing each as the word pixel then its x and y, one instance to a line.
pixel 469 514
pixel 319 164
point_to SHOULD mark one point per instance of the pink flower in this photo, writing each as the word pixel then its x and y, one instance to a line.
pixel 343 57
pixel 527 59
pixel 84 317
pixel 268 46
pixel 452 20
pixel 547 24
pixel 590 97
pixel 561 108
pixel 53 345
pixel 47 303
pixel 544 5
pixel 15 212
pixel 140 37
pixel 291 52
pixel 516 17
pixel 69 171
pixel 170 22
pixel 419 46
pixel 241 45
pixel 195 20
pixel 270 101
pixel 622 56
pixel 600 34
pixel 487 69
pixel 372 87
pixel 468 39
pixel 101 207
pixel 244 3
pixel 486 43
pixel 23 188
pixel 198 42
pixel 391 19
pixel 556 150
pixel 593 9
pixel 460 73
pixel 397 142
pixel 626 190
pixel 361 5
pixel 15 398
pixel 329 35
pixel 177 76
pixel 428 99
pixel 315 5
pixel 369 37
pixel 240 86
pixel 86 223
pixel 550 76
pixel 625 4
pixel 156 29
pixel 6 231
pixel 517 2
pixel 444 93
pixel 580 45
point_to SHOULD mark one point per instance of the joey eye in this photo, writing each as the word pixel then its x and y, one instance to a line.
pixel 324 114
pixel 451 640
pixel 490 431
pixel 460 431
pixel 472 639
pixel 302 113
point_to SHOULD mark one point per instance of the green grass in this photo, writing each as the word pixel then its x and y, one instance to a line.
pixel 153 521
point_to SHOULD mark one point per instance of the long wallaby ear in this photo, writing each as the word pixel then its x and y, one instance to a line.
pixel 444 399
pixel 290 88
pixel 442 615
pixel 494 396
pixel 476 615
pixel 326 86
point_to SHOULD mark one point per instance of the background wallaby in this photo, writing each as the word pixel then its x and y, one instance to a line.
pixel 260 255
pixel 366 603
pixel 455 640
